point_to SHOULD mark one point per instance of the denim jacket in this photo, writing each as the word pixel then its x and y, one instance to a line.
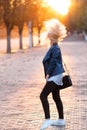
pixel 52 62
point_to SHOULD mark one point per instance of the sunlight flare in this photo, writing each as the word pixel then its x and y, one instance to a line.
pixel 61 6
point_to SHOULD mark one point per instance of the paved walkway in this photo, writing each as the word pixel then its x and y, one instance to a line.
pixel 22 79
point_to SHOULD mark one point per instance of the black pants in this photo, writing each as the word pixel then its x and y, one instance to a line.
pixel 48 88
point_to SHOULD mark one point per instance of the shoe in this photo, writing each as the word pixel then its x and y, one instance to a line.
pixel 46 124
pixel 60 122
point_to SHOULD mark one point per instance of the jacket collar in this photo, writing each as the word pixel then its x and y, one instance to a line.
pixel 55 43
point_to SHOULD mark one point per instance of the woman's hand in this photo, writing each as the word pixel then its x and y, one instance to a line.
pixel 47 76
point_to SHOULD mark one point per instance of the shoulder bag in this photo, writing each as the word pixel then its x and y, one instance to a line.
pixel 67 82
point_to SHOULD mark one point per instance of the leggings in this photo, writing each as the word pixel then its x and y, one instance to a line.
pixel 48 88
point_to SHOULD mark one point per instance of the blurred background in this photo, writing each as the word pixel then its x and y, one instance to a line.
pixel 22 21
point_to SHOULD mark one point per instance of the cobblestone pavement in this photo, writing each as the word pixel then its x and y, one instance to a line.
pixel 22 79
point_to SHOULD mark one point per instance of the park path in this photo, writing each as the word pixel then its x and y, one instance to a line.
pixel 22 79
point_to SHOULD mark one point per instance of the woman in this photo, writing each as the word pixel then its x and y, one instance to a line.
pixel 54 70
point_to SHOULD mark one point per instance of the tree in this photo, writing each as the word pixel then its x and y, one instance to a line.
pixel 77 16
pixel 40 16
pixel 7 9
pixel 8 12
pixel 19 18
pixel 82 20
pixel 1 13
pixel 34 20
pixel 13 14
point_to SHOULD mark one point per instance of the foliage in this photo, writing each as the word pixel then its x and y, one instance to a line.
pixel 77 16
pixel 17 12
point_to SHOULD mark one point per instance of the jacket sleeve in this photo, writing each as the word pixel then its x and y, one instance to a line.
pixel 53 60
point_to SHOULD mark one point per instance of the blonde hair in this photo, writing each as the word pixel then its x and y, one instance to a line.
pixel 55 29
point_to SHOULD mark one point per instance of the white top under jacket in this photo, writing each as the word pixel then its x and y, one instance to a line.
pixel 57 79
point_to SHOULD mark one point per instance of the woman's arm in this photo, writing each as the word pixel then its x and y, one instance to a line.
pixel 53 60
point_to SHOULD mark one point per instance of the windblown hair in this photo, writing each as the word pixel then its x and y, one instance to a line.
pixel 56 30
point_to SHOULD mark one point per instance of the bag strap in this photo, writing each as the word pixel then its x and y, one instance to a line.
pixel 66 68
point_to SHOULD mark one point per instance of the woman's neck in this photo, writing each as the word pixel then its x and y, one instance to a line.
pixel 54 43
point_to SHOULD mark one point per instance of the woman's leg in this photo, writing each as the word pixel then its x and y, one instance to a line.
pixel 57 99
pixel 48 88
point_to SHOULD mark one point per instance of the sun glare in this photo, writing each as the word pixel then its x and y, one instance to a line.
pixel 61 6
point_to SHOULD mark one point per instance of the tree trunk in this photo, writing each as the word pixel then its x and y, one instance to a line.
pixel 30 34
pixel 8 41
pixel 39 36
pixel 20 37
pixel 85 35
